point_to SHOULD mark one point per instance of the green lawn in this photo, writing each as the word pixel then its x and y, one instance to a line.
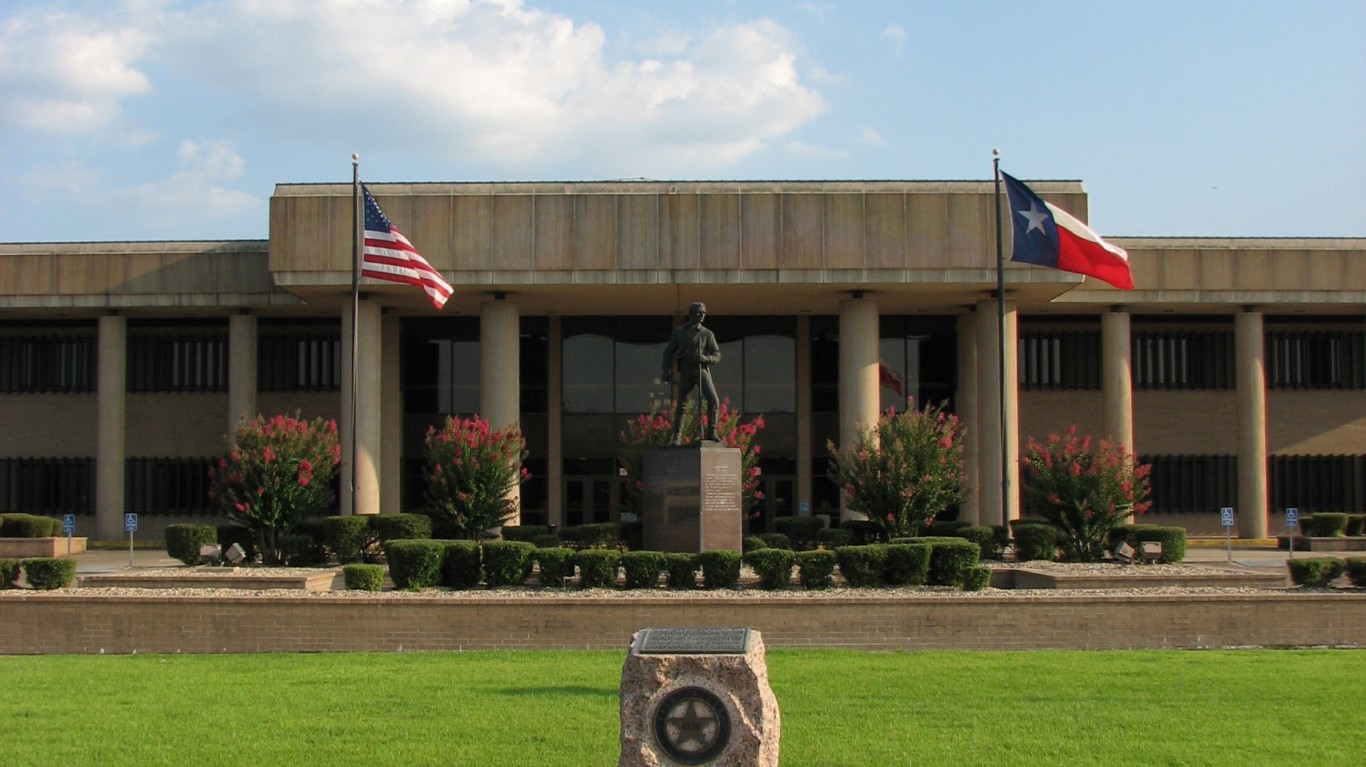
pixel 1250 707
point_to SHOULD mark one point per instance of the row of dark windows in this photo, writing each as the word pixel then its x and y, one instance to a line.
pixel 1180 484
pixel 1184 359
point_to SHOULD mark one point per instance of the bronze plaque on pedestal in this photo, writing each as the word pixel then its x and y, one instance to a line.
pixel 692 499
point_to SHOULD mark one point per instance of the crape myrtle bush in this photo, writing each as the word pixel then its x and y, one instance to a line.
pixel 907 564
pixel 599 535
pixel 528 533
pixel 950 560
pixel 507 563
pixel 680 568
pixel 556 565
pixel 598 568
pixel 29 526
pixel 1325 524
pixel 415 564
pixel 1035 541
pixel 361 577
pixel 183 541
pixel 48 573
pixel 801 531
pixel 776 540
pixel 751 542
pixel 720 568
pixel 1315 572
pixel 862 566
pixel 1356 571
pixel 815 568
pixel 773 566
pixel 460 564
pixel 9 573
pixel 471 470
pixel 642 568
pixel 1173 539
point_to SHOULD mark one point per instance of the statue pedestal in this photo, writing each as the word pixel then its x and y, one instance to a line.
pixel 692 499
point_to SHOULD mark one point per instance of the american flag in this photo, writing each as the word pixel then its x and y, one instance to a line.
pixel 389 256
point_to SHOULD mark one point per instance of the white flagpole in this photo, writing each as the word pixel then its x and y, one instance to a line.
pixel 357 232
pixel 1001 342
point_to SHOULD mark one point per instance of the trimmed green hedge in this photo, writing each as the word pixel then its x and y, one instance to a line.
pixel 528 533
pixel 977 578
pixel 907 564
pixel 1325 524
pixel 15 525
pixel 1173 540
pixel 680 569
pixel 415 564
pixel 816 568
pixel 394 527
pixel 773 566
pixel 751 543
pixel 801 531
pixel 9 573
pixel 641 569
pixel 349 538
pixel 600 535
pixel 598 568
pixel 951 560
pixel 48 573
pixel 507 563
pixel 862 565
pixel 1356 524
pixel 301 550
pixel 556 565
pixel 983 536
pixel 720 568
pixel 777 541
pixel 1035 541
pixel 864 531
pixel 1315 572
pixel 363 577
pixel 1356 571
pixel 183 541
pixel 834 537
pixel 460 564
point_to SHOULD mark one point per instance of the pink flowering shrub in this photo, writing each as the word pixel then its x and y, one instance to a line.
pixel 471 469
pixel 653 430
pixel 1084 487
pixel 905 471
pixel 279 472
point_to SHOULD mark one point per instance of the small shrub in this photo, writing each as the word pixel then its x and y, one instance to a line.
pixel 776 541
pixel 460 564
pixel 598 568
pixel 1315 572
pixel 601 535
pixel 720 568
pixel 547 541
pixel 977 578
pixel 834 537
pixel 31 526
pixel 773 566
pixel 350 538
pixel 1173 540
pixel 528 533
pixel 816 568
pixel 1035 541
pixel 862 565
pixel 950 561
pixel 507 563
pixel 48 573
pixel 1356 524
pixel 983 536
pixel 863 532
pixel 9 573
pixel 415 564
pixel 556 565
pixel 1356 571
pixel 908 564
pixel 183 541
pixel 300 550
pixel 680 569
pixel 395 527
pixel 801 531
pixel 1325 525
pixel 362 577
pixel 642 568
pixel 752 543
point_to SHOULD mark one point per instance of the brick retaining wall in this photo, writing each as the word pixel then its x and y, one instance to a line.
pixel 62 623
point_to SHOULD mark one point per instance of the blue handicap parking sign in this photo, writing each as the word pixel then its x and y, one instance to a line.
pixel 1226 516
pixel 1292 517
pixel 130 523
pixel 68 523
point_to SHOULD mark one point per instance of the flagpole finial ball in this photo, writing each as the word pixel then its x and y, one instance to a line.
pixel 355 156
pixel 995 153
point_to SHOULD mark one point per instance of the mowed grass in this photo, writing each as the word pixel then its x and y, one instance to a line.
pixel 1246 707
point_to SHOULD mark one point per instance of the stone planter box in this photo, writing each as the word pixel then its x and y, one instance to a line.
pixel 1136 578
pixel 217 578
pixel 21 548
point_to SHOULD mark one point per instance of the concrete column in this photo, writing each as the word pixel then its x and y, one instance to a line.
pixel 1252 481
pixel 1117 378
pixel 858 377
pixel 554 460
pixel 1000 492
pixel 500 389
pixel 391 418
pixel 111 394
pixel 965 407
pixel 241 371
pixel 804 448
pixel 361 470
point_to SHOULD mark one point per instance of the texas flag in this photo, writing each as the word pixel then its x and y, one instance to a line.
pixel 1050 236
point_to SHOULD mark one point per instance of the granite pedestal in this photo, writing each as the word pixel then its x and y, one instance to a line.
pixel 692 498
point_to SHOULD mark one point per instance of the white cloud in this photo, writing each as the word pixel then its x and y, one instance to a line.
pixel 871 137
pixel 195 191
pixel 815 150
pixel 895 33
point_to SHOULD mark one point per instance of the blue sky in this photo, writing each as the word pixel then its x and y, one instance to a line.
pixel 158 119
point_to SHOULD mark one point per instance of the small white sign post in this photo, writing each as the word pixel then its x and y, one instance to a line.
pixel 130 525
pixel 68 527
pixel 1292 521
pixel 1226 519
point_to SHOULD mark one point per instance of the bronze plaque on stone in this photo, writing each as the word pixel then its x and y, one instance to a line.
pixel 692 499
pixel 693 641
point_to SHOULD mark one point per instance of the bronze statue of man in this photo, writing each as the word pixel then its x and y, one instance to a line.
pixel 695 350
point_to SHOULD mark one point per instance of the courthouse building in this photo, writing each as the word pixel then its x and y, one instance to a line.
pixel 1236 367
